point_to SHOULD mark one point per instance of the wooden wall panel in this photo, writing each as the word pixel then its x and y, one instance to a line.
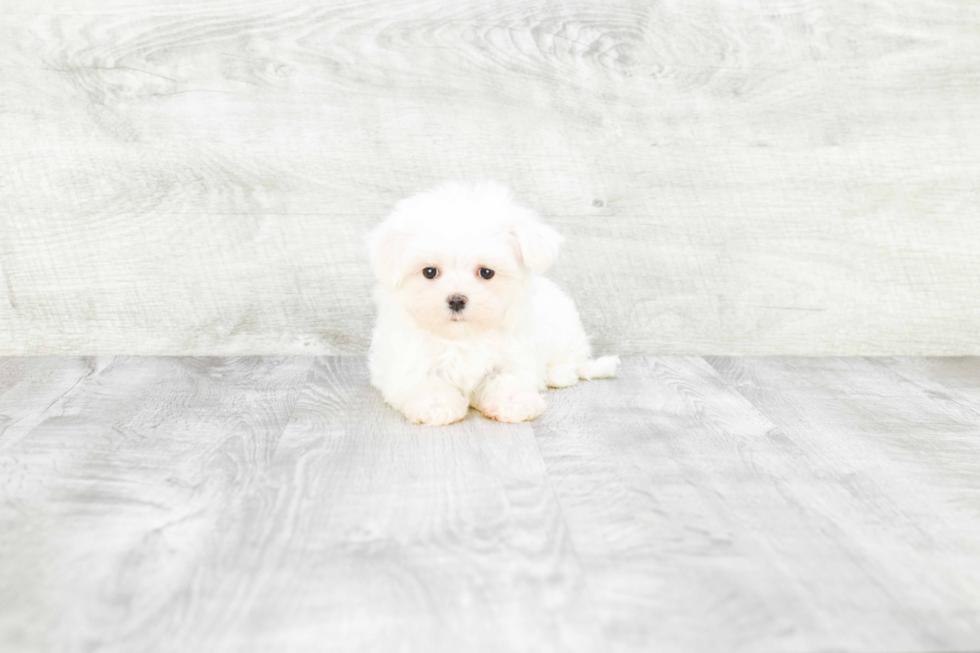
pixel 732 178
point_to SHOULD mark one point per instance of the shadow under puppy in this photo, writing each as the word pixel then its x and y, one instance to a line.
pixel 464 316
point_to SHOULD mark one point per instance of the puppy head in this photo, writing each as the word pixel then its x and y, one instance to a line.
pixel 458 258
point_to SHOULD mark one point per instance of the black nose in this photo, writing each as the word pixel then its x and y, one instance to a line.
pixel 456 302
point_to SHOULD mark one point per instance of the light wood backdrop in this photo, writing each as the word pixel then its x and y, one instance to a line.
pixel 758 177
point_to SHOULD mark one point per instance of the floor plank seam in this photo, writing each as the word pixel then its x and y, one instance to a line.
pixel 586 579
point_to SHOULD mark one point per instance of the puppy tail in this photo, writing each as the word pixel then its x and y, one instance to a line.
pixel 603 367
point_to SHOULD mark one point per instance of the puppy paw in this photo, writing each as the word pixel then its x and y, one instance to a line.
pixel 518 406
pixel 436 408
pixel 560 376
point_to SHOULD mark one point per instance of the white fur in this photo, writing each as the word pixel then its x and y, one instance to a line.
pixel 518 332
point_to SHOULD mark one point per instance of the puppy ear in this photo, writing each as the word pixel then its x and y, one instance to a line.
pixel 386 249
pixel 537 242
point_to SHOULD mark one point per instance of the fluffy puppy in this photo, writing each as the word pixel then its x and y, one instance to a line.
pixel 464 316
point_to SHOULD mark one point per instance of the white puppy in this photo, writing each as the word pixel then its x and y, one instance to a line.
pixel 464 316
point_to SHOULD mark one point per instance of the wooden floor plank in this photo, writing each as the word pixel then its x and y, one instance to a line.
pixel 654 471
pixel 376 535
pixel 858 411
pixel 276 504
pixel 116 494
pixel 31 387
pixel 686 502
pixel 955 378
pixel 894 470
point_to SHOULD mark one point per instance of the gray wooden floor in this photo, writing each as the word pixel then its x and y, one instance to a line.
pixel 275 504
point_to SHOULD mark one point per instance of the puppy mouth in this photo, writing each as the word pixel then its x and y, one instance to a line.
pixel 456 317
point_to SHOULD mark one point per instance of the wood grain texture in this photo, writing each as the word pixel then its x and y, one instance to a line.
pixel 784 506
pixel 271 505
pixel 167 506
pixel 30 387
pixel 378 535
pixel 764 178
pixel 954 379
pixel 892 463
pixel 112 503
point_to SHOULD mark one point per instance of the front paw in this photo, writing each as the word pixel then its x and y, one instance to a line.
pixel 517 406
pixel 436 408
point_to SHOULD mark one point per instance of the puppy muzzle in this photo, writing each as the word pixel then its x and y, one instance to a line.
pixel 456 303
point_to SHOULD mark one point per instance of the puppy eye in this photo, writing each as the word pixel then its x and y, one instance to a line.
pixel 486 273
pixel 432 273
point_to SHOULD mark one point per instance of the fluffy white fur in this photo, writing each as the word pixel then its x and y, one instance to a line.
pixel 518 332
